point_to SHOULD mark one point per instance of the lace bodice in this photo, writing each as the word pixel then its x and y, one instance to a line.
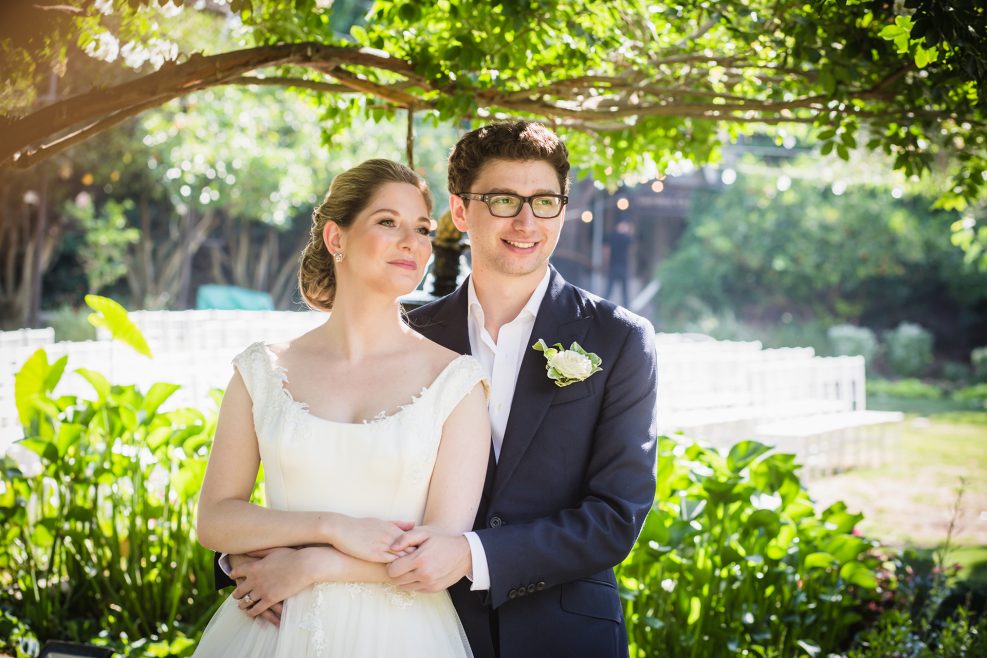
pixel 378 468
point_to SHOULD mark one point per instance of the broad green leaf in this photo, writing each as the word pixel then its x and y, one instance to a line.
pixel 98 381
pixel 845 548
pixel 68 435
pixel 743 453
pixel 156 395
pixel 765 519
pixel 29 382
pixel 54 375
pixel 44 449
pixel 819 560
pixel 113 317
pixel 42 535
pixel 188 480
pixel 859 574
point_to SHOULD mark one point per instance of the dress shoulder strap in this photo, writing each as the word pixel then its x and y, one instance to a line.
pixel 254 365
pixel 457 380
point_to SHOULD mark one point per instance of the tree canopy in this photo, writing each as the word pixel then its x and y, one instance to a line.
pixel 633 85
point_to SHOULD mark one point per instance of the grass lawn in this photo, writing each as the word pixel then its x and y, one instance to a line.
pixel 910 499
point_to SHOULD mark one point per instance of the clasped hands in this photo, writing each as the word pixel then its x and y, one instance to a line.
pixel 417 559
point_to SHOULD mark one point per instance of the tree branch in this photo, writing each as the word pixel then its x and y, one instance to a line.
pixel 176 79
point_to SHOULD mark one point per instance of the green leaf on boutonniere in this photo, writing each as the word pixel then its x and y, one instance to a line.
pixel 568 366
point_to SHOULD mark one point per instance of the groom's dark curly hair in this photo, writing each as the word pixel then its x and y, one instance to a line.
pixel 513 140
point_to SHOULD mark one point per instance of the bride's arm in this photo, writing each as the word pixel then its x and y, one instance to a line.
pixel 460 466
pixel 228 523
pixel 440 553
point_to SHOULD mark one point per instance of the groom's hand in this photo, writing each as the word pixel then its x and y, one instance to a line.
pixel 439 561
pixel 272 614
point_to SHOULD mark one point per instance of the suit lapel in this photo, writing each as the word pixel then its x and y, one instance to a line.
pixel 448 326
pixel 561 319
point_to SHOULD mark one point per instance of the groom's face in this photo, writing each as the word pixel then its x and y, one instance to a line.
pixel 511 246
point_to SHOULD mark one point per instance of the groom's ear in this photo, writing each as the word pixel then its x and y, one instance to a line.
pixel 457 208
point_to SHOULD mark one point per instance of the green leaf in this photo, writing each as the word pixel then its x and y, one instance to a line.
pixel 743 453
pixel 891 32
pixel 156 395
pixel 98 381
pixel 54 375
pixel 113 317
pixel 29 383
pixel 187 481
pixel 68 435
pixel 819 560
pixel 858 574
pixel 44 449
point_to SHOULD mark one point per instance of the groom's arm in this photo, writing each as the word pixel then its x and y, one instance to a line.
pixel 599 531
pixel 221 577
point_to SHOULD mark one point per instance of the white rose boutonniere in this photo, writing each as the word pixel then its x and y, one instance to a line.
pixel 568 366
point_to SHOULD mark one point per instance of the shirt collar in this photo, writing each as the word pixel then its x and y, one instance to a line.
pixel 530 308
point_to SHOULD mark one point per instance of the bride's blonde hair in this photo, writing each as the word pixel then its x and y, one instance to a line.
pixel 349 193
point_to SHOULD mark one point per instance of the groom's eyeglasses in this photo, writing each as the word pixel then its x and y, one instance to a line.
pixel 504 204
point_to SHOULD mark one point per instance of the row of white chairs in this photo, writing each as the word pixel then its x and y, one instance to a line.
pixel 715 391
pixel 26 338
pixel 719 392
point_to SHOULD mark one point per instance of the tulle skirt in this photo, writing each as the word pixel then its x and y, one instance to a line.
pixel 342 620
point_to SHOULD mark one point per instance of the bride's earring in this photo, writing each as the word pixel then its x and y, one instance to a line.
pixel 338 257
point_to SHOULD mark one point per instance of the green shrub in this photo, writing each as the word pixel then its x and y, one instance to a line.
pixel 978 361
pixel 71 324
pixel 733 560
pixel 955 372
pixel 908 348
pixel 930 614
pixel 909 389
pixel 976 394
pixel 98 539
pixel 850 340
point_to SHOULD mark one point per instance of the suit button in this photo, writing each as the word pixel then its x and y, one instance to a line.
pixel 496 521
pixel 531 588
pixel 521 591
pixel 512 594
pixel 540 586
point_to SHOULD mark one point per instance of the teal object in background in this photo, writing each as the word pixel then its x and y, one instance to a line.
pixel 232 298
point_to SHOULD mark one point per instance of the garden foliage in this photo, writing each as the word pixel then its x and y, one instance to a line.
pixel 733 558
pixel 98 540
pixel 908 350
pixel 850 340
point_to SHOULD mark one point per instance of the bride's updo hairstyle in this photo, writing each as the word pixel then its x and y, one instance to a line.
pixel 349 193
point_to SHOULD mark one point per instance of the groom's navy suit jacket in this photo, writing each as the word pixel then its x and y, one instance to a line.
pixel 574 483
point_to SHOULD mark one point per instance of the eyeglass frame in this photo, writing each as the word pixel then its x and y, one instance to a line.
pixel 484 197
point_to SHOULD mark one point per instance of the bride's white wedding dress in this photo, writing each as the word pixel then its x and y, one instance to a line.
pixel 379 468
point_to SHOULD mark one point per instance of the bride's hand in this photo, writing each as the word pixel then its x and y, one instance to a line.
pixel 368 539
pixel 267 582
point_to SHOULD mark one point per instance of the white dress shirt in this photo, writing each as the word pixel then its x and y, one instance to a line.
pixel 501 359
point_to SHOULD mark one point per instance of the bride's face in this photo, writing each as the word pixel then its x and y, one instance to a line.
pixel 387 246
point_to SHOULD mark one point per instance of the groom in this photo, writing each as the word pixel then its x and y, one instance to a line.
pixel 571 476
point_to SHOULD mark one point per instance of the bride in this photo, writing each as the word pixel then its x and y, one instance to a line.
pixel 365 429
